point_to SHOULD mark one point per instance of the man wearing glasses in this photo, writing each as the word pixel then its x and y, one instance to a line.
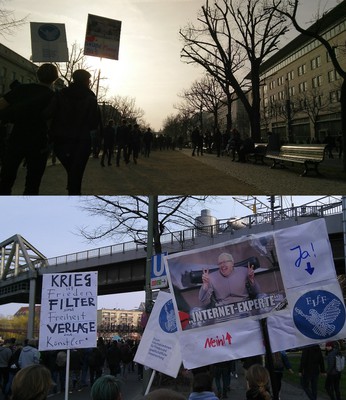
pixel 228 284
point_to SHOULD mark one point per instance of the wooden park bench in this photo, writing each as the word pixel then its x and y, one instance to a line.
pixel 310 155
pixel 259 153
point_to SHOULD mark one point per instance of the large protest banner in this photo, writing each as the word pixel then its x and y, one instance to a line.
pixel 102 37
pixel 48 42
pixel 159 347
pixel 68 311
pixel 221 320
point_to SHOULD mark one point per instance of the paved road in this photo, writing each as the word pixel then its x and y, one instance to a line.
pixel 177 172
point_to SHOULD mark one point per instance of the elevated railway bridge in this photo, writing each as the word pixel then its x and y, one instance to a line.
pixel 122 267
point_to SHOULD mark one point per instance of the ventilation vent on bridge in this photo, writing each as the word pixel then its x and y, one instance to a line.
pixel 206 224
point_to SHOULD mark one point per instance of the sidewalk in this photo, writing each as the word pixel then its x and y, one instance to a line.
pixel 164 172
pixel 177 172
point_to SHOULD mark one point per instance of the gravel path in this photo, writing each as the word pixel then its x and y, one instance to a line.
pixel 279 181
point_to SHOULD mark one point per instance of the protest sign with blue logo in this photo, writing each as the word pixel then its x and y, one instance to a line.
pixel 48 42
pixel 159 347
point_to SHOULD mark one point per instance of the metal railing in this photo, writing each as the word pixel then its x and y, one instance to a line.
pixel 222 226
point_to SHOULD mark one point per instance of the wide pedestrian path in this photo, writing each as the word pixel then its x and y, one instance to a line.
pixel 177 172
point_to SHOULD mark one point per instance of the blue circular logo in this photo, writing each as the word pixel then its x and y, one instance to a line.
pixel 167 320
pixel 319 314
pixel 49 32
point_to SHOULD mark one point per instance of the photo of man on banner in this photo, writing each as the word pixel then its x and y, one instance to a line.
pixel 228 281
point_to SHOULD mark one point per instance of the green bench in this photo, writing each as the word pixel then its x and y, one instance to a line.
pixel 310 155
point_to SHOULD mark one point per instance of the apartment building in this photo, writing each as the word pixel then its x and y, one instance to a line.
pixel 125 323
pixel 300 91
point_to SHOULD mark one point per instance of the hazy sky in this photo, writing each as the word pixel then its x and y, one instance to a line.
pixel 149 67
pixel 50 224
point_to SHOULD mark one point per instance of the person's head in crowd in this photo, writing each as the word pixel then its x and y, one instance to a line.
pixel 32 383
pixel 164 394
pixel 258 380
pixel 81 77
pixel 106 388
pixel 202 382
pixel 47 73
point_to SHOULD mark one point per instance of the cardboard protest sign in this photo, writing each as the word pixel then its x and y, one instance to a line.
pixel 68 311
pixel 48 42
pixel 314 296
pixel 306 310
pixel 159 347
pixel 102 37
pixel 243 276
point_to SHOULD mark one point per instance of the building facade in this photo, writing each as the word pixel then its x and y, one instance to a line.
pixel 124 323
pixel 14 67
pixel 300 91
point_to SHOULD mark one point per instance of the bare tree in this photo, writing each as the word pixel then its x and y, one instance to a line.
pixel 126 106
pixel 128 216
pixel 8 22
pixel 215 47
pixel 207 95
pixel 290 9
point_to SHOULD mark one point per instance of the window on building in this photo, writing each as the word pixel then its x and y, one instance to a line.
pixel 317 81
pixel 301 70
pixel 290 75
pixel 334 96
pixel 316 62
pixel 3 72
pixel 291 91
pixel 303 86
pixel 280 81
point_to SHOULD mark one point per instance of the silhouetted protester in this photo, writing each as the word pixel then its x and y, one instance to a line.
pixel 164 394
pixel 280 363
pixel 29 354
pixel 234 143
pixel 32 383
pixel 136 138
pixel 108 142
pixel 217 138
pixel 258 381
pixel 222 378
pixel 247 147
pixel 23 106
pixel 96 362
pixel 332 384
pixel 122 139
pixel 310 367
pixel 5 356
pixel 147 141
pixel 106 388
pixel 75 115
pixel 113 358
pixel 273 142
pixel 76 362
pixel 194 140
pixel 202 387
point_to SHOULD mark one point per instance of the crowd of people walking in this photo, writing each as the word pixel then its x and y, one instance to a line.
pixel 114 360
pixel 37 121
